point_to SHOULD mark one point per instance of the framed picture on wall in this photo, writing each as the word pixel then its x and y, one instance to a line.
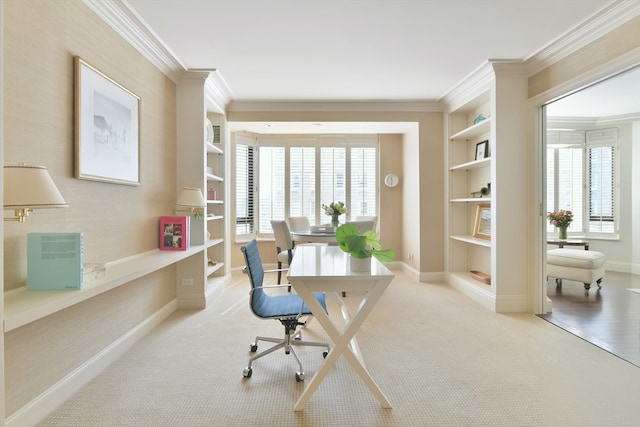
pixel 482 225
pixel 482 150
pixel 107 128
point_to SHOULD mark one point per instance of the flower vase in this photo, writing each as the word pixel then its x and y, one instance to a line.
pixel 335 222
pixel 562 232
pixel 362 265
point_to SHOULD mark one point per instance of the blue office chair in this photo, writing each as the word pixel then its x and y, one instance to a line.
pixel 287 309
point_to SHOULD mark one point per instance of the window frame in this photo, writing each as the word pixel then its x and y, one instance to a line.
pixel 609 140
pixel 347 141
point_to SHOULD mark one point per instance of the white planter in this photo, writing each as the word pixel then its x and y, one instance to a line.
pixel 360 264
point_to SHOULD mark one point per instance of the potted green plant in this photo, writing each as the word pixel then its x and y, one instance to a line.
pixel 361 247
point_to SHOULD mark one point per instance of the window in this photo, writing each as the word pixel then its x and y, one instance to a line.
pixel 295 175
pixel 581 177
pixel 245 149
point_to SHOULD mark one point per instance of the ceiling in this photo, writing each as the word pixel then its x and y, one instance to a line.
pixel 354 50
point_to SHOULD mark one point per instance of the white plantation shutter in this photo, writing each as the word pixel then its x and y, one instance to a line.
pixel 302 182
pixel 565 170
pixel 244 163
pixel 333 174
pixel 271 187
pixel 363 182
pixel 601 161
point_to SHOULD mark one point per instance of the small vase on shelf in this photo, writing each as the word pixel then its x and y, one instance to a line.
pixel 335 222
pixel 562 232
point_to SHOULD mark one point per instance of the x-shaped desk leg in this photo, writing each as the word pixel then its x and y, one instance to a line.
pixel 342 340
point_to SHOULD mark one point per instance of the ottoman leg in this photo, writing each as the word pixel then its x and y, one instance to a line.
pixel 599 283
pixel 558 283
pixel 587 286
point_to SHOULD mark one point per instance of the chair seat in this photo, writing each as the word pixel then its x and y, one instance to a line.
pixel 283 257
pixel 286 305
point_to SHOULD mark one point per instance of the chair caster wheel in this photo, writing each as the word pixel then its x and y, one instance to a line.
pixel 253 347
pixel 325 354
pixel 246 372
pixel 299 376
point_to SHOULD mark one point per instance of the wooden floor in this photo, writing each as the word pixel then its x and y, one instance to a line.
pixel 608 318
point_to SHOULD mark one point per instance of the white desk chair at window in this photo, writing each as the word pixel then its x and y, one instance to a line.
pixel 299 223
pixel 284 244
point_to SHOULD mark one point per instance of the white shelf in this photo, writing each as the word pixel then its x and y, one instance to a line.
pixel 212 177
pixel 215 202
pixel 22 307
pixel 472 240
pixel 213 268
pixel 214 217
pixel 213 242
pixel 212 149
pixel 473 130
pixel 474 164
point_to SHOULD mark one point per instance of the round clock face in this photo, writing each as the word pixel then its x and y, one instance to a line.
pixel 391 180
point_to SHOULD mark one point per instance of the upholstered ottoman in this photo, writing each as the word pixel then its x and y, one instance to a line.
pixel 575 264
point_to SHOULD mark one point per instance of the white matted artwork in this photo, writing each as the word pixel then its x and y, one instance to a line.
pixel 107 128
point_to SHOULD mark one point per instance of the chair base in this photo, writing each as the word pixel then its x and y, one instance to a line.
pixel 289 341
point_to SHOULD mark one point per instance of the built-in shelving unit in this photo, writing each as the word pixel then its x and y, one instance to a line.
pixel 468 174
pixel 491 106
pixel 201 164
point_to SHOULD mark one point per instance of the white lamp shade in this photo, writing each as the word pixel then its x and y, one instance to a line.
pixel 30 187
pixel 192 198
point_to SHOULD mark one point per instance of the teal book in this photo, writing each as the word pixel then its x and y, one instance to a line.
pixel 54 261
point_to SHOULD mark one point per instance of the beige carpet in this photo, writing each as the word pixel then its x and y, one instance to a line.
pixel 441 359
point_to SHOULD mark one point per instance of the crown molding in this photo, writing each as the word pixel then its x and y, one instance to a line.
pixel 590 30
pixel 478 81
pixel 347 106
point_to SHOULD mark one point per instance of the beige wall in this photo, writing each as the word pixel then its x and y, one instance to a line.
pixel 41 39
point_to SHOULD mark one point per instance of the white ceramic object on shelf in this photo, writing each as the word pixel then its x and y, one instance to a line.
pixel 208 131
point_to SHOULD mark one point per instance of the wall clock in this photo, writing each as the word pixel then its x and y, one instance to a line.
pixel 391 180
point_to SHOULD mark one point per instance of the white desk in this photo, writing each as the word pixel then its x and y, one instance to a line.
pixel 326 269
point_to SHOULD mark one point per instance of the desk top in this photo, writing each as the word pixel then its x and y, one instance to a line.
pixel 313 236
pixel 330 262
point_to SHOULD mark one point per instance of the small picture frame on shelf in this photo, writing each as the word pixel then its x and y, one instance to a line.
pixel 482 225
pixel 482 149
pixel 174 233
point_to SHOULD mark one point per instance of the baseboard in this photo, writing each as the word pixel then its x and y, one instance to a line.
pixel 43 405
pixel 484 297
pixel 622 267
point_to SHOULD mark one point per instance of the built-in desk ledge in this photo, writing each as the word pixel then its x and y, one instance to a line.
pixel 22 307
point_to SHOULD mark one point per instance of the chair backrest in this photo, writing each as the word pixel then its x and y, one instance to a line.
pixel 368 218
pixel 282 235
pixel 363 226
pixel 255 270
pixel 297 223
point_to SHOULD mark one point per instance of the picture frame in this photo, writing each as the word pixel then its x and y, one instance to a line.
pixel 482 225
pixel 107 128
pixel 174 233
pixel 482 150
